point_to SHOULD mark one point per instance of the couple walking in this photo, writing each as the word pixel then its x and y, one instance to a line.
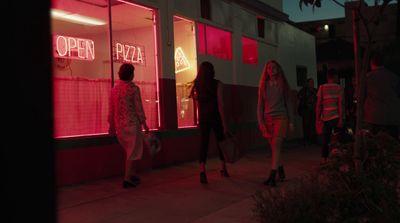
pixel 127 118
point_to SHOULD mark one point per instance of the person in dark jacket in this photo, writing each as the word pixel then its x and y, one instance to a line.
pixel 307 100
pixel 382 98
pixel 207 92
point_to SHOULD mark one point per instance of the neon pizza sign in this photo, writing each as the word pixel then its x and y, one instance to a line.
pixel 128 53
pixel 83 49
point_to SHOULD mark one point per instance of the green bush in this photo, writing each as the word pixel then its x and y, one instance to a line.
pixel 339 193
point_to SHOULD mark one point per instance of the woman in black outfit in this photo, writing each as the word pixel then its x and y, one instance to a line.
pixel 207 92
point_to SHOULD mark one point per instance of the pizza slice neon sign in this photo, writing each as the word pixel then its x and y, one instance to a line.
pixel 181 62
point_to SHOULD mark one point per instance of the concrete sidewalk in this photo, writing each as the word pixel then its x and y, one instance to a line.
pixel 174 194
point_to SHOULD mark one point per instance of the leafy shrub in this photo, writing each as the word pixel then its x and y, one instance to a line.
pixel 337 192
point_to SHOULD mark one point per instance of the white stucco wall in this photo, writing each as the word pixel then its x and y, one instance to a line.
pixel 296 47
pixel 285 43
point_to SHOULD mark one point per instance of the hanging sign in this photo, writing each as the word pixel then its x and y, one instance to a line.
pixel 73 48
pixel 128 53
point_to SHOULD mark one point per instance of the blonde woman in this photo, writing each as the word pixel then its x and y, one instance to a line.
pixel 275 114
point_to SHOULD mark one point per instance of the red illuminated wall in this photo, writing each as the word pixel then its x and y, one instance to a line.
pixel 201 38
pixel 214 42
pixel 249 51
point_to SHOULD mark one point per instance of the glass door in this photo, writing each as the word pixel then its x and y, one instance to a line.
pixel 185 70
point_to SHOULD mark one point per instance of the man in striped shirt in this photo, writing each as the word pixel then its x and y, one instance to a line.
pixel 329 109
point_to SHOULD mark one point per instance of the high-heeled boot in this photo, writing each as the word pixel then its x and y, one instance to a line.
pixel 281 173
pixel 271 179
pixel 203 178
pixel 224 173
pixel 128 184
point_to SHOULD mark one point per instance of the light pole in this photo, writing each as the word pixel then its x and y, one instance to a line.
pixel 359 83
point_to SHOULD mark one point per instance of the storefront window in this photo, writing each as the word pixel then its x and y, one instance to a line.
pixel 249 51
pixel 134 41
pixel 219 43
pixel 185 69
pixel 214 42
pixel 82 78
pixel 81 67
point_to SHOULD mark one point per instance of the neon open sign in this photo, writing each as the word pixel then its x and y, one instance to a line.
pixel 128 53
pixel 73 48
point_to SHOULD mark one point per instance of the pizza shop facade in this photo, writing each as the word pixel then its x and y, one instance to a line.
pixel 165 41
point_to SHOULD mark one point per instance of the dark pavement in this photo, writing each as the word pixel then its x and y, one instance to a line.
pixel 174 194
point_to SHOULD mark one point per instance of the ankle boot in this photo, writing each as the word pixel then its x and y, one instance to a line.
pixel 203 178
pixel 128 184
pixel 281 173
pixel 135 179
pixel 271 179
pixel 224 173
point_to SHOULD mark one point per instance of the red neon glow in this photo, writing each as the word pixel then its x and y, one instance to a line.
pixel 81 93
pixel 156 66
pixel 181 62
pixel 215 42
pixel 80 106
pixel 136 5
pixel 219 43
pixel 73 48
pixel 201 38
pixel 126 52
pixel 249 51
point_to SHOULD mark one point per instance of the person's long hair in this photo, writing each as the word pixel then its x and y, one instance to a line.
pixel 202 88
pixel 265 78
